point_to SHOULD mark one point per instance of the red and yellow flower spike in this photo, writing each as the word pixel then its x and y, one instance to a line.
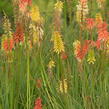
pixel 82 10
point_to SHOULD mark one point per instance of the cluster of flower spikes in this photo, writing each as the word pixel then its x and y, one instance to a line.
pixel 82 10
pixel 57 37
pixel 102 29
pixel 7 43
pixel 80 50
pixel 38 103
pixel 19 34
pixel 23 5
pixel 36 26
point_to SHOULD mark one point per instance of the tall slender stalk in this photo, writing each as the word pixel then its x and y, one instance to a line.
pixel 28 81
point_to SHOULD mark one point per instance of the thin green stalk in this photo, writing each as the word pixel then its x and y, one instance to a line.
pixel 28 81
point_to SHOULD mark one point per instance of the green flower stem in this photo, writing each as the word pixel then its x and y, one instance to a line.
pixel 28 81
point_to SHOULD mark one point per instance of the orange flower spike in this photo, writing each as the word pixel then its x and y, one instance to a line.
pixel 11 43
pixel 83 1
pixel 19 34
pixel 90 23
pixel 98 44
pixel 81 51
pixel 102 26
pixel 8 44
pixel 23 5
pixel 103 34
pixel 5 45
pixel 38 103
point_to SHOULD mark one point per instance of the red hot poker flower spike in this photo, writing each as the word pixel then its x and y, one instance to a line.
pixel 19 34
pixel 38 103
pixel 83 51
pixel 8 44
pixel 103 34
pixel 90 23
pixel 23 5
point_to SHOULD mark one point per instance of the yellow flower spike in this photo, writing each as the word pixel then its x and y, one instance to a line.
pixel 59 6
pixel 7 26
pixel 107 46
pixel 76 45
pixel 33 33
pixel 35 38
pixel 36 33
pixel 63 86
pixel 58 43
pixel 35 14
pixel 78 16
pixel 91 57
pixel 51 64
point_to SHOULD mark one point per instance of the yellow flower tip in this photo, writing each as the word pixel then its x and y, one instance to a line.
pixel 35 14
pixel 63 86
pixel 107 47
pixel 58 43
pixel 91 57
pixel 76 43
pixel 59 6
pixel 91 61
pixel 51 64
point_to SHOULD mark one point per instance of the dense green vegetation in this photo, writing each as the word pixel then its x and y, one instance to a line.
pixel 67 82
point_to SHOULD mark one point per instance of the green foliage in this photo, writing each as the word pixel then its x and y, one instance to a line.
pixel 87 89
pixel 6 6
